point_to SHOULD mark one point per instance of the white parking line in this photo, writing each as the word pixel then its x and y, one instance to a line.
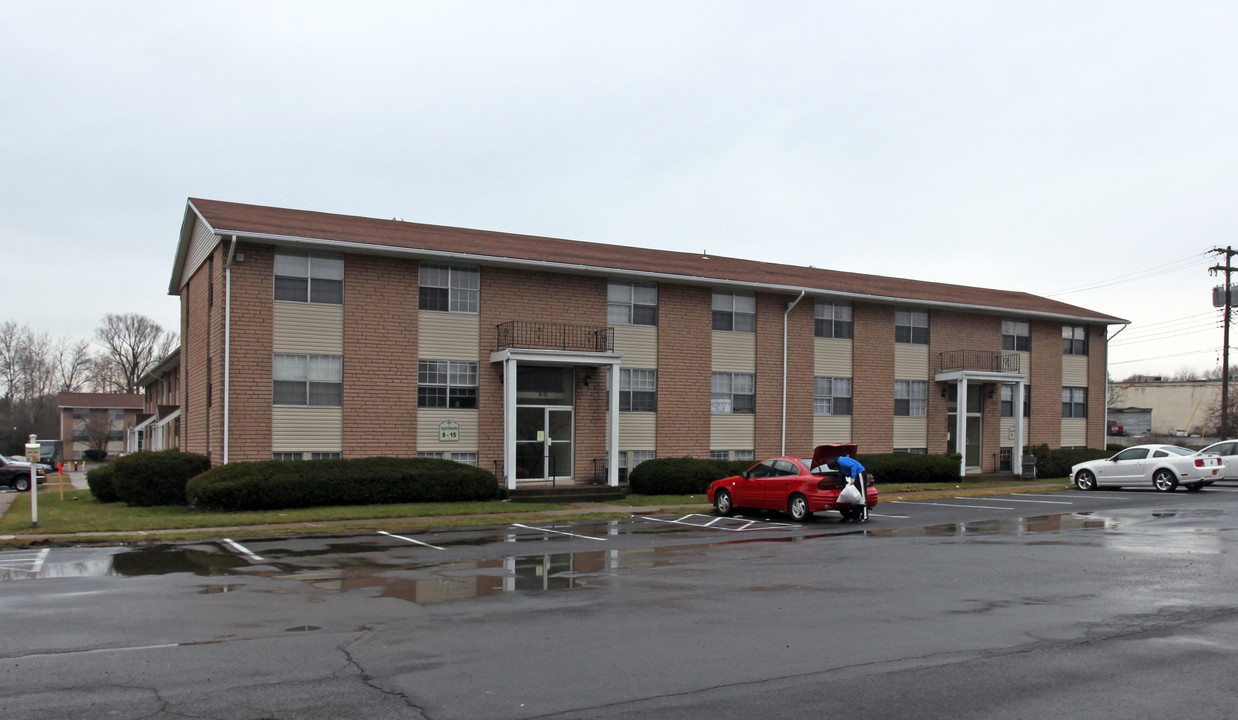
pixel 921 502
pixel 747 524
pixel 559 532
pixel 408 539
pixel 38 562
pixel 29 562
pixel 1082 495
pixel 900 517
pixel 241 549
pixel 1043 502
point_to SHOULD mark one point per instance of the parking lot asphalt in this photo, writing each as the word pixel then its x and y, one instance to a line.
pixel 78 480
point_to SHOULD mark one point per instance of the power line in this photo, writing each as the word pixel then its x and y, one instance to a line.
pixel 1158 270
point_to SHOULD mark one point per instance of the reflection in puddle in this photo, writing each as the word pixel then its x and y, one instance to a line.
pixel 1006 526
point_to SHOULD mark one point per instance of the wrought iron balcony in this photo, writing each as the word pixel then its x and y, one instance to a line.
pixel 555 336
pixel 979 361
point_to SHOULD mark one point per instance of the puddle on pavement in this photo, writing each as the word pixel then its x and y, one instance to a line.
pixel 388 568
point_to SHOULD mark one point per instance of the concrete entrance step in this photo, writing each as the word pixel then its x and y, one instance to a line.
pixel 567 493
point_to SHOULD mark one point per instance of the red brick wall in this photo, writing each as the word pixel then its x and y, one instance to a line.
pixel 685 351
pixel 872 387
pixel 1045 425
pixel 195 349
pixel 380 357
pixel 508 295
pixel 250 407
pixel 770 311
pixel 1098 364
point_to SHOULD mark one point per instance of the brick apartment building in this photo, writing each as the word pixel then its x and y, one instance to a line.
pixel 309 335
pixel 95 420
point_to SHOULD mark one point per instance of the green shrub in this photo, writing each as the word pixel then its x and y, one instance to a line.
pixel 146 479
pixel 95 455
pixel 912 467
pixel 1057 463
pixel 682 475
pixel 99 480
pixel 274 484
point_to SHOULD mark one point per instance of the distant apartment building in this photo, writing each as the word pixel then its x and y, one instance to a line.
pixel 309 335
pixel 95 420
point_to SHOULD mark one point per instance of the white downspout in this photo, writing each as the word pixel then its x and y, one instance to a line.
pixel 790 306
pixel 227 339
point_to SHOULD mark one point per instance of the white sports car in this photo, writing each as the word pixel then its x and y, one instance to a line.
pixel 1164 467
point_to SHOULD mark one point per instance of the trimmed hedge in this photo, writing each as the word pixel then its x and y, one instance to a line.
pixel 1057 463
pixel 147 479
pixel 275 484
pixel 912 467
pixel 682 475
pixel 99 480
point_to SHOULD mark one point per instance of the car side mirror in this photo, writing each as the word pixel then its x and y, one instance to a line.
pixel 744 474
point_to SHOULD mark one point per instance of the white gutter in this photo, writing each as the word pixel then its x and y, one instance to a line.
pixel 791 305
pixel 372 249
pixel 227 340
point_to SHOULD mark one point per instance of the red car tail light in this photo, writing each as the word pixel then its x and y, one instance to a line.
pixel 1199 462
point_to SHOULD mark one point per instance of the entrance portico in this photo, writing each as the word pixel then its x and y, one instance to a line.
pixel 539 418
pixel 968 371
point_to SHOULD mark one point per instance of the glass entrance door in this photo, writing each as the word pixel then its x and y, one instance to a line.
pixel 543 443
pixel 973 424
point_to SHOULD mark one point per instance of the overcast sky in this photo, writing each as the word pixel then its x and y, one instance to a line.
pixel 1044 147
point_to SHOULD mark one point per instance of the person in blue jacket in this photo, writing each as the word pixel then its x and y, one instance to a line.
pixel 851 468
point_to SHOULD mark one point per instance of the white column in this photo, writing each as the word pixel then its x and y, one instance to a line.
pixel 1016 459
pixel 960 426
pixel 612 450
pixel 509 422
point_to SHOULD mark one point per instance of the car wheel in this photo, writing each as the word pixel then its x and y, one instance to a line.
pixel 21 484
pixel 1085 480
pixel 722 503
pixel 1195 487
pixel 797 506
pixel 1164 481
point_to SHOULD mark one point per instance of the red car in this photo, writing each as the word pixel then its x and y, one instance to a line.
pixel 798 486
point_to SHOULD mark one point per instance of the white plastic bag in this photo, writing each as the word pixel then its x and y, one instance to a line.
pixel 851 494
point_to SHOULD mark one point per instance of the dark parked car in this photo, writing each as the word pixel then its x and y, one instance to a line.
pixel 16 474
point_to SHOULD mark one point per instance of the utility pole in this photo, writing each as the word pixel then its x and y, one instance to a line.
pixel 1228 269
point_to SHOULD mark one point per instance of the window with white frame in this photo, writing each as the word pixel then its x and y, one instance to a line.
pixel 465 458
pixel 1016 335
pixel 325 456
pixel 638 390
pixel 638 457
pixel 1074 402
pixel 287 456
pixel 912 451
pixel 1008 401
pixel 742 454
pixel 910 398
pixel 447 384
pixel 733 393
pixel 1074 340
pixel 831 396
pixel 315 380
pixel 911 326
pixel 430 454
pixel 308 277
pixel 719 454
pixel 448 288
pixel 734 312
pixel 833 320
pixel 1005 458
pixel 631 303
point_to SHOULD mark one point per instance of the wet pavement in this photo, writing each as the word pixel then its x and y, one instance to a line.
pixel 978 605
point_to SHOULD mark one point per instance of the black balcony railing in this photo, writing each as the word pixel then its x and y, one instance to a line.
pixel 555 336
pixel 979 361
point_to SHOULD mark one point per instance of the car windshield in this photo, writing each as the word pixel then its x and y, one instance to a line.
pixel 1178 450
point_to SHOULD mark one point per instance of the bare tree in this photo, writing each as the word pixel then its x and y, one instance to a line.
pixel 1187 374
pixel 33 369
pixel 130 345
pixel 98 429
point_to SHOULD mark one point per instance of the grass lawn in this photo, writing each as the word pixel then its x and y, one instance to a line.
pixel 80 512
